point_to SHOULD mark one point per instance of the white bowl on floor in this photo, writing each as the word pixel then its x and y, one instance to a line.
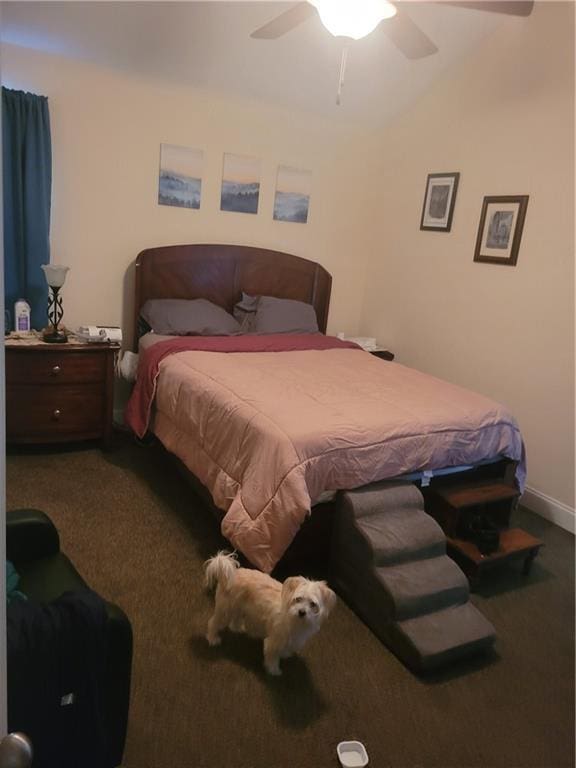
pixel 352 754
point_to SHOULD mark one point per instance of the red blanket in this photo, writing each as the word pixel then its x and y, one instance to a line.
pixel 137 414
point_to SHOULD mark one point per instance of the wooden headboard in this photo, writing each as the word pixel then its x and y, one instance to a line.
pixel 220 273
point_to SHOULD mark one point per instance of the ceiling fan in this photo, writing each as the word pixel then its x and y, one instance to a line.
pixel 357 18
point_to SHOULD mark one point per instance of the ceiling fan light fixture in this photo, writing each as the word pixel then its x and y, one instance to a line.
pixel 353 18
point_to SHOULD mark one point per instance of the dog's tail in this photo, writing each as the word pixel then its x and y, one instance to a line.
pixel 221 568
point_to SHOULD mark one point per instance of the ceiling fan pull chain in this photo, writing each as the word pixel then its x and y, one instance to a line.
pixel 342 71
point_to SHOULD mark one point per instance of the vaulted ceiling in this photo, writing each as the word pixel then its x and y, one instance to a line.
pixel 208 45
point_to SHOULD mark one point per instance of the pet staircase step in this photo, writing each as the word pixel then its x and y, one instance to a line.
pixel 399 496
pixel 478 493
pixel 408 534
pixel 454 505
pixel 389 564
pixel 432 640
pixel 423 586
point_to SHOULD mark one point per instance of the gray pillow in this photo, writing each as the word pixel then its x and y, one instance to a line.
pixel 284 316
pixel 188 317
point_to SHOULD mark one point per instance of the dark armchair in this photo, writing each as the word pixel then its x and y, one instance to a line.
pixel 51 582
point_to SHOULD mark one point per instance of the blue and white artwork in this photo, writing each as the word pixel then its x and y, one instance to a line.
pixel 292 195
pixel 180 180
pixel 240 184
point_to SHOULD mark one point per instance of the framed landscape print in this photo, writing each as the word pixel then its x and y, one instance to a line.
pixel 292 198
pixel 439 200
pixel 500 229
pixel 240 184
pixel 180 178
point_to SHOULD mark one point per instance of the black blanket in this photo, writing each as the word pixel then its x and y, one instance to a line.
pixel 56 660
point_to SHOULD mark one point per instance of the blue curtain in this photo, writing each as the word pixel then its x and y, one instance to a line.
pixel 27 180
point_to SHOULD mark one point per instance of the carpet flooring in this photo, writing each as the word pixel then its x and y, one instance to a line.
pixel 129 522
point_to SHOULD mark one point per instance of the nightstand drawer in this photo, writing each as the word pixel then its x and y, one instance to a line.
pixel 46 414
pixel 54 367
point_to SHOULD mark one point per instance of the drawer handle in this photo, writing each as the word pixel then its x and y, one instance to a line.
pixel 56 370
pixel 57 414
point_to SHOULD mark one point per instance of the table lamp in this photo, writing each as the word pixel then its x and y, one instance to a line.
pixel 55 277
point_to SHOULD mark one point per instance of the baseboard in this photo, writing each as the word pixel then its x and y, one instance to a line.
pixel 553 510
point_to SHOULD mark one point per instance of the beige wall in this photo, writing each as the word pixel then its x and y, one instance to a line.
pixel 106 133
pixel 505 121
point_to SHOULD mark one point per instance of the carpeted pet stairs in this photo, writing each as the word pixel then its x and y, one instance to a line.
pixel 391 567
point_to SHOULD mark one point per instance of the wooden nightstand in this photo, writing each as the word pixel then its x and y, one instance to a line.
pixel 58 393
pixel 383 354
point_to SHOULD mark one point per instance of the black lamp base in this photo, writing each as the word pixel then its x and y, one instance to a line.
pixel 55 337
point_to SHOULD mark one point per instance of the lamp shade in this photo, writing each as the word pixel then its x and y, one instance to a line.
pixel 353 18
pixel 55 274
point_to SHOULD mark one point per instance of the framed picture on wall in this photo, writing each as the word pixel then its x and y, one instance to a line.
pixel 500 229
pixel 180 178
pixel 240 184
pixel 292 199
pixel 439 200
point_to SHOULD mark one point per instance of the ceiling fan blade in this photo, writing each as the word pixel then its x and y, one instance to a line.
pixel 285 22
pixel 511 7
pixel 407 36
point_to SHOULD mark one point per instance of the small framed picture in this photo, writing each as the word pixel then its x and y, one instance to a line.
pixel 439 201
pixel 180 179
pixel 500 229
pixel 240 184
pixel 292 198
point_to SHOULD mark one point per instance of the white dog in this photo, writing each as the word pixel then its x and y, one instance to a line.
pixel 284 615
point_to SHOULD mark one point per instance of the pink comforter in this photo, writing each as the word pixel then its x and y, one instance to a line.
pixel 268 432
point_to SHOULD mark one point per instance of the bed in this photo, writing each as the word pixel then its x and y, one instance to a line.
pixel 271 424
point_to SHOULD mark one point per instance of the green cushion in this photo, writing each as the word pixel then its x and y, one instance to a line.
pixel 47 578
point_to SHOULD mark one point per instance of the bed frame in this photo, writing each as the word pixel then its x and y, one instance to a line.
pixel 220 273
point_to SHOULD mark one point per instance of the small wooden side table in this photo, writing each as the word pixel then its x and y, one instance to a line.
pixel 57 393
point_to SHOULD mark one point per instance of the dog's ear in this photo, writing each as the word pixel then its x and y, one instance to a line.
pixel 290 586
pixel 328 596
